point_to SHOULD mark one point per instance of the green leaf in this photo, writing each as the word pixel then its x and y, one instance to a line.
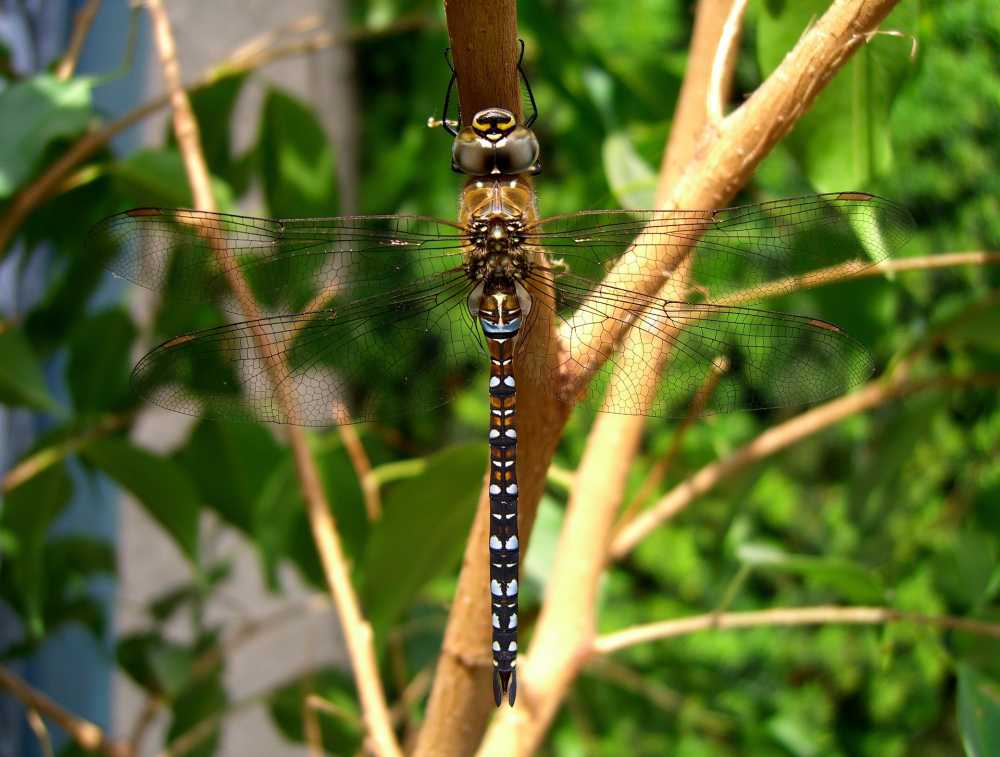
pixel 160 485
pixel 296 159
pixel 843 140
pixel 281 528
pixel 100 361
pixel 190 593
pixel 979 326
pixel 978 713
pixel 339 735
pixel 157 665
pixel 965 571
pixel 21 378
pixel 852 581
pixel 27 513
pixel 424 525
pixel 158 177
pixel 632 181
pixel 230 464
pixel 36 112
pixel 200 702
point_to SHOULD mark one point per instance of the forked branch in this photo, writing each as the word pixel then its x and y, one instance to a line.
pixel 88 735
pixel 716 167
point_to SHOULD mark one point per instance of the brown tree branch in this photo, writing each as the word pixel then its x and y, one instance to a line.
pixel 362 469
pixel 89 736
pixel 566 623
pixel 784 616
pixel 724 160
pixel 484 48
pixel 81 26
pixel 773 440
pixel 357 632
pixel 719 165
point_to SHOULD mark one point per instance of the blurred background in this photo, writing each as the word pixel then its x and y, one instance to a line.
pixel 157 573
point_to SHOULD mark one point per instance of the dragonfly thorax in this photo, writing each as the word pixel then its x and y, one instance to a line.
pixel 496 251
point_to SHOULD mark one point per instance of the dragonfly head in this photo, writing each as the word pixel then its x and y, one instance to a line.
pixel 495 144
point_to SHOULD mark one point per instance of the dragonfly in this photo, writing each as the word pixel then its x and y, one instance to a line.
pixel 344 300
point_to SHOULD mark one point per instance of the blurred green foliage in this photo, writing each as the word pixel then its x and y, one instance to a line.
pixel 899 506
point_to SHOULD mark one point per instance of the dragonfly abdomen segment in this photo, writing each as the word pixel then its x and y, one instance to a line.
pixel 500 318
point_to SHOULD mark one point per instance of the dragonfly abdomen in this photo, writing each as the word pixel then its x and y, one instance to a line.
pixel 500 318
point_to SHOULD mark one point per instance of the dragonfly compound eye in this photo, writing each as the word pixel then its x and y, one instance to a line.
pixel 518 153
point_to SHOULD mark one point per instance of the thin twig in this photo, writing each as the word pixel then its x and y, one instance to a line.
pixel 37 725
pixel 213 656
pixel 310 723
pixel 659 470
pixel 859 269
pixel 47 456
pixel 81 26
pixel 357 632
pixel 363 470
pixel 318 704
pixel 785 616
pixel 773 440
pixel 83 732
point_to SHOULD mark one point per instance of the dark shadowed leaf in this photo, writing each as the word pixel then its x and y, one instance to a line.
pixel 100 361
pixel 424 526
pixel 158 178
pixel 978 713
pixel 850 580
pixel 296 159
pixel 162 487
pixel 230 464
pixel 28 512
pixel 21 378
pixel 281 526
pixel 199 706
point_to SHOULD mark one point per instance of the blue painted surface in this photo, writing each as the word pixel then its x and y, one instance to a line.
pixel 73 667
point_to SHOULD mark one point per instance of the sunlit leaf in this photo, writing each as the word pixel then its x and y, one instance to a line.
pixel 843 140
pixel 632 180
pixel 37 111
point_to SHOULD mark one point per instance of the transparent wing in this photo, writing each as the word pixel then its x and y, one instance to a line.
pixel 290 264
pixel 734 249
pixel 760 359
pixel 375 357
